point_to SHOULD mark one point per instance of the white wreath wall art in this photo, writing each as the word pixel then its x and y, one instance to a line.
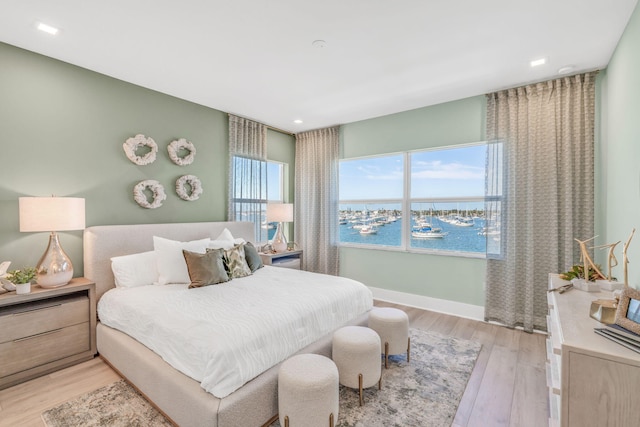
pixel 193 182
pixel 131 145
pixel 180 144
pixel 156 188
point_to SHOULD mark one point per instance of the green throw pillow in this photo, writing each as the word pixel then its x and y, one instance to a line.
pixel 205 269
pixel 253 258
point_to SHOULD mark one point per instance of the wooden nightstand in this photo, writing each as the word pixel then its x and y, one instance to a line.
pixel 288 259
pixel 46 330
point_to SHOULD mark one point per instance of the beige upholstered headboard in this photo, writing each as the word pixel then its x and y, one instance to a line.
pixel 105 241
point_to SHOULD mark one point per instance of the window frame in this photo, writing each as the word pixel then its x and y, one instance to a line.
pixel 266 199
pixel 406 202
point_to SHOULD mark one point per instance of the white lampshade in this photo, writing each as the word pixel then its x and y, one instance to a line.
pixel 51 213
pixel 280 212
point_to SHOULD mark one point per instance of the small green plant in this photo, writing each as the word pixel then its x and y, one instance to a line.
pixel 577 272
pixel 24 275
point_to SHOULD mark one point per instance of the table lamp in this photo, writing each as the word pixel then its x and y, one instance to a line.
pixel 279 212
pixel 52 214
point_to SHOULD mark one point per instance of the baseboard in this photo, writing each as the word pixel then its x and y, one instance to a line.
pixel 454 308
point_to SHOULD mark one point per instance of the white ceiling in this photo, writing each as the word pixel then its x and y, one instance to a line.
pixel 255 57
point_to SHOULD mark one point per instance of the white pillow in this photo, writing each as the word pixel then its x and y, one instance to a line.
pixel 225 235
pixel 134 270
pixel 172 267
pixel 225 241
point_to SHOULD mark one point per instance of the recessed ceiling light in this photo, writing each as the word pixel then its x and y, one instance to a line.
pixel 47 28
pixel 319 44
pixel 297 121
pixel 538 62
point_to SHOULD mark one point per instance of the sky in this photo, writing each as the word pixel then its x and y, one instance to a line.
pixel 455 172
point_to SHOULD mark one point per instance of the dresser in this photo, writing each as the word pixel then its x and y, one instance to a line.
pixel 46 330
pixel 592 381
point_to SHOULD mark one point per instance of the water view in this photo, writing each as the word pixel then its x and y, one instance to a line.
pixel 446 232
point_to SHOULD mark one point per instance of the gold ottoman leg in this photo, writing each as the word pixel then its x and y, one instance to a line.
pixel 360 388
pixel 386 355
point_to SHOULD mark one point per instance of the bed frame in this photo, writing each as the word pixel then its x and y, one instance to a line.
pixel 178 397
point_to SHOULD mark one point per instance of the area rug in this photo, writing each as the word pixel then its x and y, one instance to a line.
pixel 114 405
pixel 425 392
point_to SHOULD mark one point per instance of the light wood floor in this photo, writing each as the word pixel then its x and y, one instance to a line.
pixel 507 386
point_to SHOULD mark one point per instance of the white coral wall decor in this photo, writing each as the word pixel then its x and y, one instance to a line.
pixel 183 191
pixel 157 191
pixel 176 146
pixel 132 145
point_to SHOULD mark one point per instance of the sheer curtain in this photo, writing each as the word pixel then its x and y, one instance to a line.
pixel 316 214
pixel 547 136
pixel 247 172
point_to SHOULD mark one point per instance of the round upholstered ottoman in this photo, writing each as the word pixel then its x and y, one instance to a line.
pixel 308 391
pixel 356 352
pixel 393 327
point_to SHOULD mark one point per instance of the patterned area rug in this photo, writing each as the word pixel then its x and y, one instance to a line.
pixel 425 392
pixel 114 405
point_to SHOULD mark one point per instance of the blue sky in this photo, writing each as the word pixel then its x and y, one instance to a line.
pixel 455 172
pixel 274 174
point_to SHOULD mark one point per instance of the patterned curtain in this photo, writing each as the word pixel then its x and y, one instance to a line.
pixel 248 172
pixel 316 215
pixel 547 136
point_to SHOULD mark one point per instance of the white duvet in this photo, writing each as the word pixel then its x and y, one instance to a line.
pixel 225 335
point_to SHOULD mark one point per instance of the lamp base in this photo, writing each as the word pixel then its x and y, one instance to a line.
pixel 279 242
pixel 54 268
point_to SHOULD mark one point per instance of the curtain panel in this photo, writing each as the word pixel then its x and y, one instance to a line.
pixel 316 214
pixel 547 135
pixel 247 171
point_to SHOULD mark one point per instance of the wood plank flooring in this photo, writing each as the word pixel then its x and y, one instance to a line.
pixel 507 386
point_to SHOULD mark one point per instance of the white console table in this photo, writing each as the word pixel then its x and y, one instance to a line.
pixel 592 381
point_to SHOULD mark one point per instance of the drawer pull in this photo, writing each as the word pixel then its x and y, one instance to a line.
pixel 37 335
pixel 31 310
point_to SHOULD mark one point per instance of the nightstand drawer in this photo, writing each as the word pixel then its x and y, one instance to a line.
pixel 287 263
pixel 35 350
pixel 23 320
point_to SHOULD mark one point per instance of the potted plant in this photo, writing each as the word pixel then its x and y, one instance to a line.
pixel 22 279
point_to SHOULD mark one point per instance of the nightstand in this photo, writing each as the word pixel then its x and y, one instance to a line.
pixel 288 259
pixel 46 330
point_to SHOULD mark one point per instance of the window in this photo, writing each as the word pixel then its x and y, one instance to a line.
pixel 371 193
pixel 275 193
pixel 428 200
pixel 254 183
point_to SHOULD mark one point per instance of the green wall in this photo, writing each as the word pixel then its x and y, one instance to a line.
pixel 619 150
pixel 61 131
pixel 438 276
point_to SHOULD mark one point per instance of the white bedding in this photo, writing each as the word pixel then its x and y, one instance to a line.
pixel 225 335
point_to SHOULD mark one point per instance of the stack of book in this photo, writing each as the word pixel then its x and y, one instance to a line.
pixel 622 336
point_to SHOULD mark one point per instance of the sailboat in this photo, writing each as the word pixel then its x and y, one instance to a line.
pixel 426 230
pixel 428 233
pixel 368 229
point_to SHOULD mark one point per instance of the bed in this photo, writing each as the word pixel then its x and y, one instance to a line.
pixel 178 395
